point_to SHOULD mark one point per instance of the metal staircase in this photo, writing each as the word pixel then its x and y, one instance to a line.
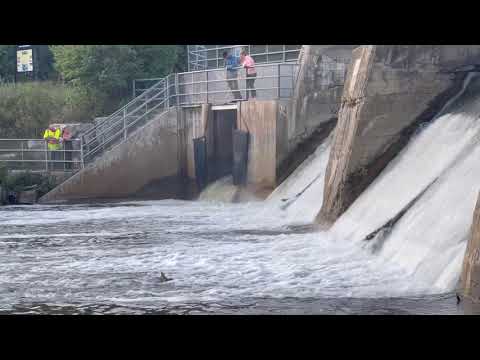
pixel 117 127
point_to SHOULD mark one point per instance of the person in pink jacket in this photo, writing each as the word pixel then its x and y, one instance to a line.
pixel 249 64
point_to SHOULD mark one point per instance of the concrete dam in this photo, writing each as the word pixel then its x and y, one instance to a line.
pixel 373 149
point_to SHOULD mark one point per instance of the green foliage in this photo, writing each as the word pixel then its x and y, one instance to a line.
pixel 156 60
pixel 3 174
pixel 27 180
pixel 43 60
pixel 26 109
pixel 105 68
pixel 105 72
pixel 7 63
pixel 96 80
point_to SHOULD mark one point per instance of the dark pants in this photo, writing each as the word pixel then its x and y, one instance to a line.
pixel 233 84
pixel 251 85
pixel 55 156
pixel 68 154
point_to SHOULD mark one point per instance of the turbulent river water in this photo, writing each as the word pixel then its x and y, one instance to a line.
pixel 222 259
pixel 262 257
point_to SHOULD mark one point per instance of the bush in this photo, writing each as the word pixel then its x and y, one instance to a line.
pixel 26 180
pixel 26 109
pixel 3 174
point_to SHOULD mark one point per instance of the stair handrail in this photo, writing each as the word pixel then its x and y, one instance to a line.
pixel 144 94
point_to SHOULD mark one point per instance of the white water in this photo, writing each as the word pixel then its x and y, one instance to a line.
pixel 429 241
pixel 221 252
pixel 221 190
pixel 298 198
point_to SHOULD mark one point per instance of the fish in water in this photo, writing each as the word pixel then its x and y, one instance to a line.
pixel 163 278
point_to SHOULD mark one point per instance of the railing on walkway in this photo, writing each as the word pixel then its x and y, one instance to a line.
pixel 273 81
pixel 154 97
pixel 202 57
pixel 33 155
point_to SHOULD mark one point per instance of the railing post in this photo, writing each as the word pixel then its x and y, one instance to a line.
pixel 64 148
pixel 207 84
pixel 167 92
pixel 134 90
pixel 278 82
pixel 124 123
pixel 23 163
pixel 46 157
pixel 176 90
pixel 82 161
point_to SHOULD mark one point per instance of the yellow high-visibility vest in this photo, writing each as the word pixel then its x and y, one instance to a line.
pixel 53 138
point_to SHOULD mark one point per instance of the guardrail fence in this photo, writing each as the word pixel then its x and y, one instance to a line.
pixel 33 155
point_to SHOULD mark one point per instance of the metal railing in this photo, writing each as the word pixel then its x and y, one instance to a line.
pixel 202 57
pixel 153 97
pixel 273 81
pixel 116 127
pixel 211 86
pixel 33 155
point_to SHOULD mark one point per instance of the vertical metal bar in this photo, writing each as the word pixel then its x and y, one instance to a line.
pixel 82 161
pixel 193 89
pixel 278 82
pixel 23 163
pixel 134 90
pixel 166 92
pixel 64 158
pixel 124 123
pixel 207 84
pixel 46 157
pixel 176 89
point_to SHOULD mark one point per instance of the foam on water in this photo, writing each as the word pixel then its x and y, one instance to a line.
pixel 429 241
pixel 217 251
pixel 221 190
pixel 298 198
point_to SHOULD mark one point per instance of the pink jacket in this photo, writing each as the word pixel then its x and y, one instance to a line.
pixel 249 64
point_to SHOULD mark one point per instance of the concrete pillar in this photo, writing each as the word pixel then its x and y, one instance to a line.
pixel 470 278
pixel 389 91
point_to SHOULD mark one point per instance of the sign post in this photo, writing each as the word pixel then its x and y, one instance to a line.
pixel 25 62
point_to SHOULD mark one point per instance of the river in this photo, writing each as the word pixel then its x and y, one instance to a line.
pixel 222 259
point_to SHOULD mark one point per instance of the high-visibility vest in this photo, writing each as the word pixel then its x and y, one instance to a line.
pixel 53 138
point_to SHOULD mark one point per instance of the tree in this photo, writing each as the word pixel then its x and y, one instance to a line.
pixel 7 62
pixel 105 68
pixel 156 60
pixel 106 71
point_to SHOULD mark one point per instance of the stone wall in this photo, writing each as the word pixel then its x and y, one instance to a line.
pixel 389 91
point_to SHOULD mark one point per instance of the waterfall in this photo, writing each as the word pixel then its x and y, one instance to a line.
pixel 298 198
pixel 441 168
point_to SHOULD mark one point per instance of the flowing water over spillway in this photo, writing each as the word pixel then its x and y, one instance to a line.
pixel 223 258
pixel 259 257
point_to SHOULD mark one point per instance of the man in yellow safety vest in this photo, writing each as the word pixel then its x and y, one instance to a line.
pixel 53 136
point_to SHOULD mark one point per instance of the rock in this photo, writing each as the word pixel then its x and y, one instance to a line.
pixel 27 197
pixel 470 277
pixel 388 92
